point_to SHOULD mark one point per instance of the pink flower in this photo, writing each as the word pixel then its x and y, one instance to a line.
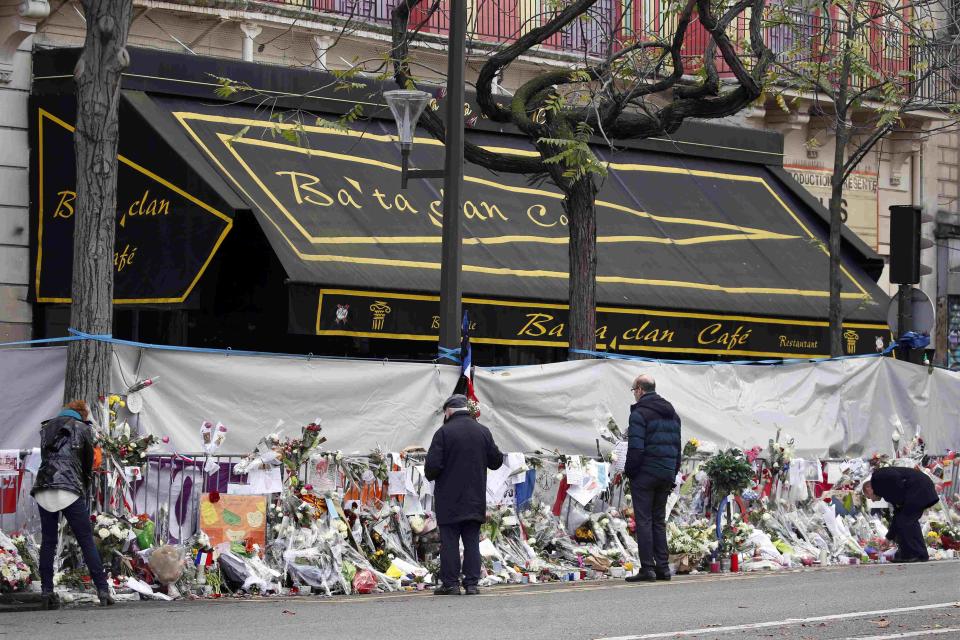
pixel 165 439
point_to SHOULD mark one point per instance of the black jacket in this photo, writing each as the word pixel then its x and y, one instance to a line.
pixel 66 455
pixel 653 441
pixel 461 452
pixel 901 487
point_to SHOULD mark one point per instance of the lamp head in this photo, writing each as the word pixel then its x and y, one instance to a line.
pixel 406 106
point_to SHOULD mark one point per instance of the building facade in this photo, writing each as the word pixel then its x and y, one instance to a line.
pixel 906 168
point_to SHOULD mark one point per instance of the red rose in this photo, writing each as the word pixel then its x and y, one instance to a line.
pixel 93 518
pixel 214 496
pixel 308 487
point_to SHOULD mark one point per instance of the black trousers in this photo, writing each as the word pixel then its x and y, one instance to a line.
pixel 905 531
pixel 78 517
pixel 649 513
pixel 450 567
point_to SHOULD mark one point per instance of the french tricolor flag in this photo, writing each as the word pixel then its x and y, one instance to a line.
pixel 204 558
pixel 465 384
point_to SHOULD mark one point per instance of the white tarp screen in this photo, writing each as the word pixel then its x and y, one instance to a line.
pixel 846 407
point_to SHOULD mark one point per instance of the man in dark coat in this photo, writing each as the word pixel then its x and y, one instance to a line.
pixel 461 452
pixel 653 461
pixel 65 473
pixel 910 491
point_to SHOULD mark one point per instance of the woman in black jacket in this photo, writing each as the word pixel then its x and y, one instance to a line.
pixel 66 469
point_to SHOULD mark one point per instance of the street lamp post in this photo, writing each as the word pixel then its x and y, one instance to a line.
pixel 403 104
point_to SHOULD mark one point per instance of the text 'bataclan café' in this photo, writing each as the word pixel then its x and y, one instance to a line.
pixel 229 235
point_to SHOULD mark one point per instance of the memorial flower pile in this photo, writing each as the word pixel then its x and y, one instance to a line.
pixel 696 540
pixel 112 533
pixel 15 574
pixel 735 535
pixel 690 448
pixel 360 523
pixel 123 446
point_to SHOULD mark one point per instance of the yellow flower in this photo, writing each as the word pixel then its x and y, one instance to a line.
pixel 694 442
pixel 112 400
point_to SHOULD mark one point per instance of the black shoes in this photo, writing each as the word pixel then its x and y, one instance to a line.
pixel 105 598
pixel 472 590
pixel 643 576
pixel 447 591
pixel 663 577
pixel 53 600
pixel 897 559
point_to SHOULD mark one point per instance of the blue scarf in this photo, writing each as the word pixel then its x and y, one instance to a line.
pixel 70 413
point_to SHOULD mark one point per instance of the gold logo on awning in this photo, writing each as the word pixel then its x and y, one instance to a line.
pixel 851 337
pixel 380 309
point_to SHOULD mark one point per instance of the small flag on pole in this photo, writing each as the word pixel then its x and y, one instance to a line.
pixel 204 558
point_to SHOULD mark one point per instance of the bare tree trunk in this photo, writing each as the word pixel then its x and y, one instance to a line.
pixel 835 314
pixel 836 310
pixel 95 143
pixel 580 204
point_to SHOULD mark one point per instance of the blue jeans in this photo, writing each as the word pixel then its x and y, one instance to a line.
pixel 78 517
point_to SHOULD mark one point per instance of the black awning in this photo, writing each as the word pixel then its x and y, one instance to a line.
pixel 171 217
pixel 674 232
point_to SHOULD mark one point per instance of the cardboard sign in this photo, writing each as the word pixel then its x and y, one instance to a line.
pixel 234 518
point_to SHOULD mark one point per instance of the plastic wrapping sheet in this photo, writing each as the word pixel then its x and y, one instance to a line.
pixel 243 574
pixel 836 408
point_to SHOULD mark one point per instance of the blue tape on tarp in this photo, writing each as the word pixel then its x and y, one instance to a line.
pixel 449 354
pixel 620 356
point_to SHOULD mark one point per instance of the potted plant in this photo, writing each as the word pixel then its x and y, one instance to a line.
pixel 419 579
pixel 729 472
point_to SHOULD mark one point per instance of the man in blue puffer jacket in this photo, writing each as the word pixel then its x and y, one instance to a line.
pixel 653 462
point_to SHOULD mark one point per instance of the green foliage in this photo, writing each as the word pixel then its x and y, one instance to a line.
pixel 227 88
pixel 729 472
pixel 580 75
pixel 554 103
pixel 575 155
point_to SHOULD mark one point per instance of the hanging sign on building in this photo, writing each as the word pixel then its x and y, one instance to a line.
pixel 165 236
pixel 367 314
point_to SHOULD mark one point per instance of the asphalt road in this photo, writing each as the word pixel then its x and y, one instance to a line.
pixel 885 602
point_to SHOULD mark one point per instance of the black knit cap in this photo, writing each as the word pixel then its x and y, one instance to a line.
pixel 456 401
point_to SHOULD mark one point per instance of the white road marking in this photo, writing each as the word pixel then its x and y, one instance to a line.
pixel 788 621
pixel 906 634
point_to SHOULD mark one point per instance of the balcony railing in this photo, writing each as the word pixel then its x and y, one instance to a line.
pixel 799 36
